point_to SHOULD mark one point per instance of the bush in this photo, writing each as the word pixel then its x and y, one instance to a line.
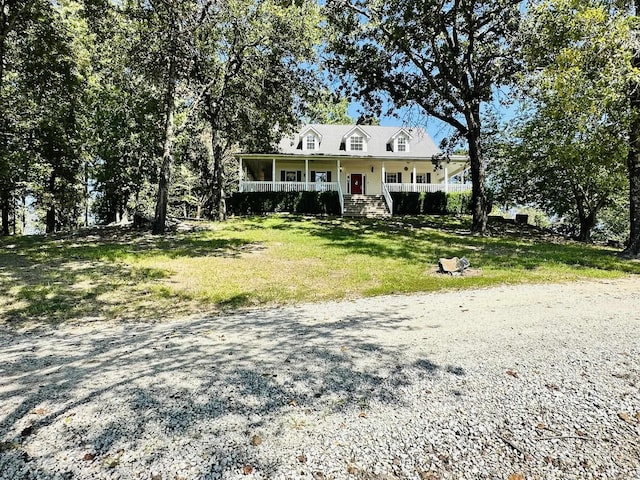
pixel 433 203
pixel 258 203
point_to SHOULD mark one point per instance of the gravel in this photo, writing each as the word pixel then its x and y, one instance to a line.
pixel 516 382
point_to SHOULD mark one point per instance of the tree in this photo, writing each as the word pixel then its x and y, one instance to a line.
pixel 633 157
pixel 446 58
pixel 328 108
pixel 568 148
pixel 249 66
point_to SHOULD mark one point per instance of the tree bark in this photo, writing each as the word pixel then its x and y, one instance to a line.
pixel 160 219
pixel 4 206
pixel 633 158
pixel 587 222
pixel 51 211
pixel 479 192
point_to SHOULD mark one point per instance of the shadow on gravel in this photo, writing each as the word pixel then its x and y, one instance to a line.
pixel 104 395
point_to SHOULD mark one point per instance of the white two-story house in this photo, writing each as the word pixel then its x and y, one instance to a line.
pixel 354 160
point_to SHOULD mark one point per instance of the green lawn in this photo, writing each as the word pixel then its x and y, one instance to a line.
pixel 123 274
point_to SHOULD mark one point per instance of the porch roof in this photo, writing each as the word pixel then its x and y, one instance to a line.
pixel 346 157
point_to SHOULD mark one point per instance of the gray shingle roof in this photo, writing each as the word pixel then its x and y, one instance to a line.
pixel 420 145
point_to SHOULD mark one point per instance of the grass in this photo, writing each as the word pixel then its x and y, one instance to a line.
pixel 123 274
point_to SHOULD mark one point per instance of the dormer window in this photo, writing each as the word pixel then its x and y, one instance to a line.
pixel 356 139
pixel 310 139
pixel 356 143
pixel 311 142
pixel 399 143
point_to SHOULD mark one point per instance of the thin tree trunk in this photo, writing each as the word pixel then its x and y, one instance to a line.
pixel 5 213
pixel 633 158
pixel 479 193
pixel 160 219
pixel 51 211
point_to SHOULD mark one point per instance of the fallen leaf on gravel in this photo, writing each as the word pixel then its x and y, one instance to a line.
pixel 427 475
pixel 351 470
pixel 88 457
pixel 625 416
pixel 516 476
pixel 247 469
pixel 293 403
pixel 513 373
pixel 363 415
pixel 541 426
pixel 317 476
pixel 256 440
pixel 302 458
pixel 638 416
pixel 39 411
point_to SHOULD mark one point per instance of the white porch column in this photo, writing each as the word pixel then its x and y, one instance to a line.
pixel 306 172
pixel 273 175
pixel 240 174
pixel 384 177
pixel 446 179
pixel 338 173
pixel 414 178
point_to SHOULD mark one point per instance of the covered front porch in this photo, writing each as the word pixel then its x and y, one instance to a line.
pixel 350 176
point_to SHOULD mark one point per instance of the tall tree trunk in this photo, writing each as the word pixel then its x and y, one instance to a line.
pixel 479 192
pixel 4 206
pixel 633 158
pixel 219 194
pixel 160 219
pixel 51 211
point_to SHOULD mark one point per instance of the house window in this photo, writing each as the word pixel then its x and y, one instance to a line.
pixel 356 143
pixel 402 144
pixel 425 178
pixel 311 142
pixel 321 177
pixel 391 178
pixel 290 176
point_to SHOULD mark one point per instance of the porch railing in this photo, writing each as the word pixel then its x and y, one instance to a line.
pixel 428 187
pixel 387 197
pixel 289 186
pixel 341 198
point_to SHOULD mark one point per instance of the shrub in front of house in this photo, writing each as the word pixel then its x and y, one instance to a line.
pixel 310 203
pixel 431 203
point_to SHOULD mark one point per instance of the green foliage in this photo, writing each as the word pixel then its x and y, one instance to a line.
pixel 311 203
pixel 566 152
pixel 444 58
pixel 431 203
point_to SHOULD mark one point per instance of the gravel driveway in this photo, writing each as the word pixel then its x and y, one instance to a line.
pixel 506 383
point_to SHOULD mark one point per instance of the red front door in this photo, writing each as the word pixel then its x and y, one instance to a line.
pixel 356 183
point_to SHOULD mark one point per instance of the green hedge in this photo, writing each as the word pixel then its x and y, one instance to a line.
pixel 435 203
pixel 311 203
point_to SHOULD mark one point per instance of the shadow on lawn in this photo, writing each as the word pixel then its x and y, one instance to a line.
pixel 104 392
pixel 426 239
pixel 55 278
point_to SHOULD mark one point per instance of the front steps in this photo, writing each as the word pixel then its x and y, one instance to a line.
pixel 365 206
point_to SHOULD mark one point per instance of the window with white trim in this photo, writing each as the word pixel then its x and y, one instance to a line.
pixel 401 144
pixel 321 177
pixel 423 178
pixel 311 142
pixel 391 178
pixel 356 143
